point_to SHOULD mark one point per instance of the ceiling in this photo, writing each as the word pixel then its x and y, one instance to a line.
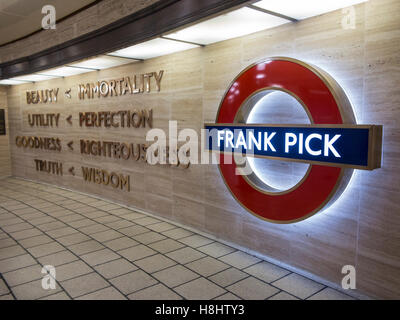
pixel 19 18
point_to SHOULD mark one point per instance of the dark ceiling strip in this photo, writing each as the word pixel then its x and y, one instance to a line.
pixel 159 18
pixel 57 21
pixel 276 14
pixel 183 41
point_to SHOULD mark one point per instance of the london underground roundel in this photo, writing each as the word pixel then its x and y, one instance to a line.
pixel 333 144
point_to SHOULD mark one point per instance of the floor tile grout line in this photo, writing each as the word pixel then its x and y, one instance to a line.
pixel 82 261
pixel 168 257
pixel 142 243
pixel 176 239
pixel 202 257
pixel 209 256
pixel 111 250
pixel 36 279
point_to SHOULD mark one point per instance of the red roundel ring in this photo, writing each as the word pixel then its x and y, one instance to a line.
pixel 319 94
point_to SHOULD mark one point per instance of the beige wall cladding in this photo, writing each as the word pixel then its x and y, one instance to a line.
pixel 93 18
pixel 362 229
pixel 5 161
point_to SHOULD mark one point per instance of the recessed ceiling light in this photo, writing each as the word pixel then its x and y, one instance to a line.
pixel 12 82
pixel 304 9
pixel 33 77
pixel 153 48
pixel 101 62
pixel 64 71
pixel 227 26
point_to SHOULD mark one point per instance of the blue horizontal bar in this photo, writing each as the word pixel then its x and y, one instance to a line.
pixel 340 146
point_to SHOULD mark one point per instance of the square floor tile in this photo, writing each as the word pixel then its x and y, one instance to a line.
pixel 11 220
pixel 133 281
pixel 99 257
pixel 85 247
pixel 83 222
pixel 33 290
pixel 45 249
pixel 157 292
pixel 7 242
pixel 177 233
pixel 70 218
pixel 35 241
pixel 133 230
pixel 14 263
pixel 216 249
pixel 84 284
pixel 167 245
pixel 146 221
pixel 72 270
pixel 23 275
pixel 20 235
pixel 10 252
pixel 160 227
pixel 199 289
pixel 207 266
pixel 120 243
pixel 59 258
pixel 228 277
pixel 154 263
pixel 119 224
pixel 94 214
pixel 73 239
pixel 106 235
pixel 252 289
pixel 42 220
pixel 298 286
pixel 239 259
pixel 106 219
pixel 266 271
pixel 185 255
pixel 51 226
pixel 175 276
pixel 137 252
pixel 109 293
pixel 149 237
pixel 95 228
pixel 61 232
pixel 17 227
pixel 330 294
pixel 115 268
pixel 196 241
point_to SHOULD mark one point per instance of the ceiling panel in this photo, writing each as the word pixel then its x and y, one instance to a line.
pixel 304 9
pixel 227 26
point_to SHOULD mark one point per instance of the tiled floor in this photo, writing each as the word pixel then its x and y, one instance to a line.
pixel 101 250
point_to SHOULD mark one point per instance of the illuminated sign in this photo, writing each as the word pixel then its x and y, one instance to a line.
pixel 333 144
pixel 312 144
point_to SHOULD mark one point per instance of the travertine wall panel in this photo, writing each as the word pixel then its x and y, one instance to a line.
pixel 361 229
